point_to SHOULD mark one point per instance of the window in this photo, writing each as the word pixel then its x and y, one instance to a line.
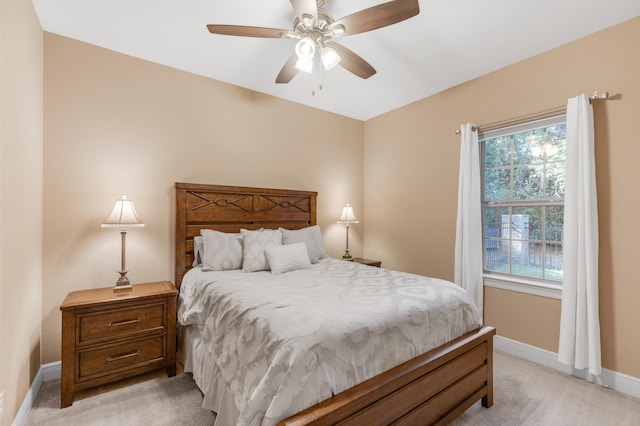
pixel 523 170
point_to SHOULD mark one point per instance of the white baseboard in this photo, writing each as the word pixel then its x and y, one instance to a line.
pixel 612 379
pixel 45 373
pixel 51 371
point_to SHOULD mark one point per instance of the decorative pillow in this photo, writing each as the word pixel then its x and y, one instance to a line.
pixel 221 251
pixel 311 236
pixel 255 242
pixel 198 249
pixel 286 258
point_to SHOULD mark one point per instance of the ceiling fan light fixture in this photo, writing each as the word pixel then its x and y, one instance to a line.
pixel 305 48
pixel 330 58
pixel 305 64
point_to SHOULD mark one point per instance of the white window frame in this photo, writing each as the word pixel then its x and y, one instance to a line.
pixel 529 285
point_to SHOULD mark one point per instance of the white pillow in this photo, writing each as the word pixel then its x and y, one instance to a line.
pixel 291 257
pixel 221 251
pixel 255 242
pixel 311 236
pixel 198 249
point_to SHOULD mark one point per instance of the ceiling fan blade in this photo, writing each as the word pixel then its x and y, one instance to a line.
pixel 239 30
pixel 378 16
pixel 352 62
pixel 305 7
pixel 288 71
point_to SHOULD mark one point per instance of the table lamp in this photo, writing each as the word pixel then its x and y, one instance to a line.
pixel 123 216
pixel 348 217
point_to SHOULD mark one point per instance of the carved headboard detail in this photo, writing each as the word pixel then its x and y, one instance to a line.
pixel 230 208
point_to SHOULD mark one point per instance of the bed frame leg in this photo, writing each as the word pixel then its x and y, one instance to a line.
pixel 487 401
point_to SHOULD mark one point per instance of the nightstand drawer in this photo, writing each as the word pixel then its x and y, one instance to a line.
pixel 127 355
pixel 120 322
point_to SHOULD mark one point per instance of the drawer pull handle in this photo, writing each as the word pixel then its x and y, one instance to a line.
pixel 123 356
pixel 115 324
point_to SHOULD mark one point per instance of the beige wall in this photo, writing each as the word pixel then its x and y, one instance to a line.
pixel 411 172
pixel 115 124
pixel 21 127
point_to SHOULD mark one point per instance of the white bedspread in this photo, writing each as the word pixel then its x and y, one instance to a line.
pixel 285 342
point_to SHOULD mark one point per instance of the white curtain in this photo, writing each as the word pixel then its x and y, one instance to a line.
pixel 579 344
pixel 468 249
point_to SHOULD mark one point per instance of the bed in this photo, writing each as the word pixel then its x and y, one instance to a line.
pixel 433 387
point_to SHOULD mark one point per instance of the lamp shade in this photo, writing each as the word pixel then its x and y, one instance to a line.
pixel 305 64
pixel 330 58
pixel 123 215
pixel 305 48
pixel 348 216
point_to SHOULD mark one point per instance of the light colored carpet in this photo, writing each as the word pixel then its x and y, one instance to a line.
pixel 162 401
pixel 529 394
pixel 524 394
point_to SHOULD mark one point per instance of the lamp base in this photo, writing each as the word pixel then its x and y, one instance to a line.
pixel 347 256
pixel 123 282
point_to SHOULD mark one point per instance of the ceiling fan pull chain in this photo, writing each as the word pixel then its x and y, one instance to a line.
pixel 313 81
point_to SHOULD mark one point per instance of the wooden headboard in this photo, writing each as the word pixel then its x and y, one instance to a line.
pixel 230 208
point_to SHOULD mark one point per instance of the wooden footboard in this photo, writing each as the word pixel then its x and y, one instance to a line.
pixel 433 388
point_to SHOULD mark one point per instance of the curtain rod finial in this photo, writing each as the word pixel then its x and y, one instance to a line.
pixel 598 95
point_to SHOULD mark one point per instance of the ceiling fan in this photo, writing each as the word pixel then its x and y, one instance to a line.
pixel 315 29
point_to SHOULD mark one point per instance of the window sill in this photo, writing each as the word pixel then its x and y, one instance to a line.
pixel 523 285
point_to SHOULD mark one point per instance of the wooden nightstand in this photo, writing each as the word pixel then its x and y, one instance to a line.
pixel 109 336
pixel 376 263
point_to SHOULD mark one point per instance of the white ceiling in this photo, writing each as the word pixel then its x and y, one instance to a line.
pixel 447 43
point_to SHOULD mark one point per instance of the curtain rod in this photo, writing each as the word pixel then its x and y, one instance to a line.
pixel 550 112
